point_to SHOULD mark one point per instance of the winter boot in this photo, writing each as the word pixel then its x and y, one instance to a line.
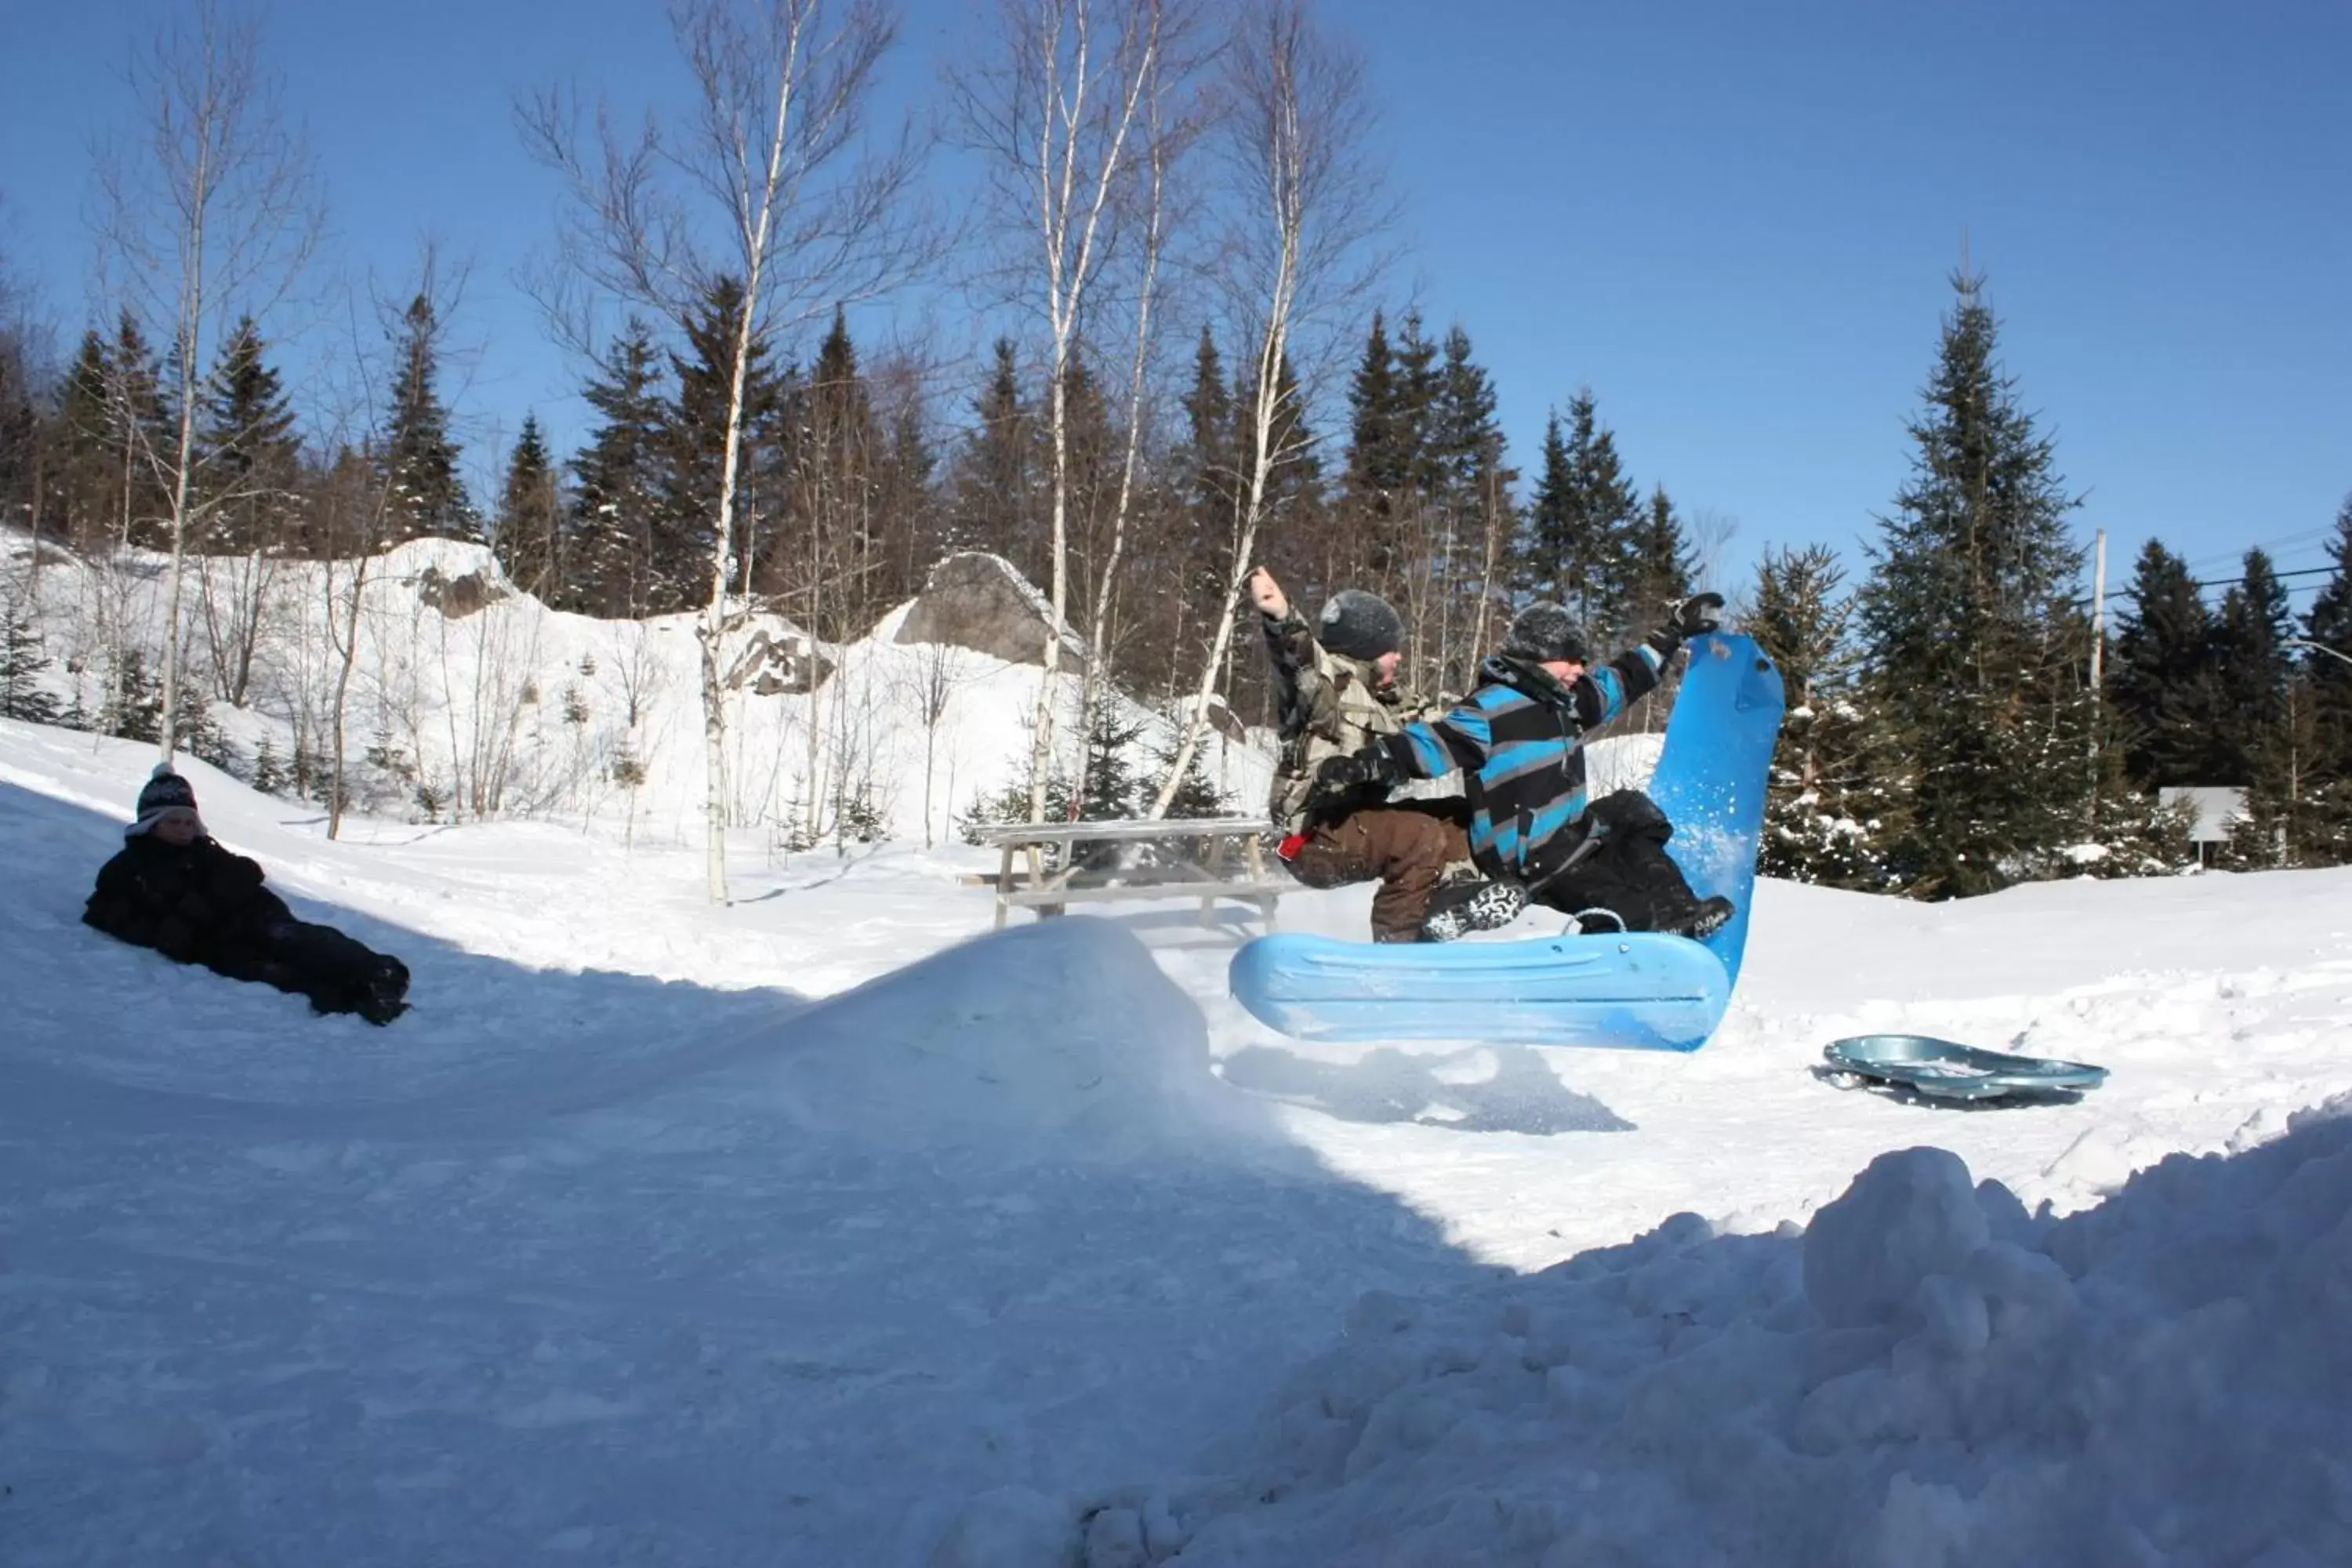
pixel 385 997
pixel 1458 910
pixel 1700 920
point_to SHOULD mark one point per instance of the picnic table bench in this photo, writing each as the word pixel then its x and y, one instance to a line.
pixel 1050 885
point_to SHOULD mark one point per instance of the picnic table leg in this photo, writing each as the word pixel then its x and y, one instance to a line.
pixel 1256 855
pixel 1003 885
pixel 1216 869
pixel 1037 880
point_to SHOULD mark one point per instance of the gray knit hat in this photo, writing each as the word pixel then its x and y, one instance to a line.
pixel 1356 624
pixel 1545 633
pixel 164 791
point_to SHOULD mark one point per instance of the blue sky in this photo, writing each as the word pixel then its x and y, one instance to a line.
pixel 1734 222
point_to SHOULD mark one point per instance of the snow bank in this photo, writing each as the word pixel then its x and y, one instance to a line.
pixel 1924 1375
pixel 1057 1041
pixel 471 699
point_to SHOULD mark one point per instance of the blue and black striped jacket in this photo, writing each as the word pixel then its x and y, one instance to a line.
pixel 1518 739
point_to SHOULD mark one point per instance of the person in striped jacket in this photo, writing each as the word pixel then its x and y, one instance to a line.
pixel 1519 741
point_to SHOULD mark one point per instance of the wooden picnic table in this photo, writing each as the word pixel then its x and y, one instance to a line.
pixel 1051 886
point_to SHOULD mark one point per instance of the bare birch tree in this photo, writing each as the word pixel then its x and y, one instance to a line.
pixel 1055 112
pixel 764 185
pixel 1293 128
pixel 213 210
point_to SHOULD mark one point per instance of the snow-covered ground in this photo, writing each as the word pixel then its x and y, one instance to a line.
pixel 828 1228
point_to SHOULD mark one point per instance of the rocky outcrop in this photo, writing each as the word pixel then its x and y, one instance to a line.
pixel 978 601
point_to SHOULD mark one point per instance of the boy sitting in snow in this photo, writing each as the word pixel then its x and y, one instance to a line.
pixel 175 889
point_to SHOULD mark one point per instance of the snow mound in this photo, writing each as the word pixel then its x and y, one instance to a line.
pixel 1058 1040
pixel 1926 1375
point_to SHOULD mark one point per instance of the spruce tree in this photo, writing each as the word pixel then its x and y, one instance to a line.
pixel 1379 450
pixel 2325 684
pixel 134 427
pixel 1662 565
pixel 1578 547
pixel 87 477
pixel 608 557
pixel 2162 694
pixel 419 465
pixel 995 505
pixel 21 660
pixel 135 705
pixel 694 451
pixel 528 541
pixel 1825 809
pixel 1979 659
pixel 2252 667
pixel 833 456
pixel 1472 493
pixel 248 455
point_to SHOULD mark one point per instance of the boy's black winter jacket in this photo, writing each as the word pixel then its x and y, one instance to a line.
pixel 197 904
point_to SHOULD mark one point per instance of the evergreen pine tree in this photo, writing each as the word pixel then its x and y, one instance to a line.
pixel 1208 478
pixel 21 659
pixel 528 539
pixel 419 465
pixel 1472 496
pixel 2324 681
pixel 608 554
pixel 86 478
pixel 248 455
pixel 2265 730
pixel 134 707
pixel 1197 797
pixel 1824 814
pixel 1418 382
pixel 995 505
pixel 1579 546
pixel 2250 668
pixel 1662 561
pixel 2131 833
pixel 1979 656
pixel 270 773
pixel 694 446
pixel 136 428
pixel 2162 693
pixel 833 452
pixel 1380 453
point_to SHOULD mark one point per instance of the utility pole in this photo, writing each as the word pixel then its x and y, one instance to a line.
pixel 2098 653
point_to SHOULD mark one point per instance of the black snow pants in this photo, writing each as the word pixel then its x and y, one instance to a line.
pixel 334 971
pixel 1627 872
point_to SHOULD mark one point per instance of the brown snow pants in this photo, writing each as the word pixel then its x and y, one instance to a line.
pixel 1406 848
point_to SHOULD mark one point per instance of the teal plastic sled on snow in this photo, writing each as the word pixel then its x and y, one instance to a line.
pixel 1638 992
pixel 1945 1069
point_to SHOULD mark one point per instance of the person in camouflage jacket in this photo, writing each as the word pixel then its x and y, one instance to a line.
pixel 1336 682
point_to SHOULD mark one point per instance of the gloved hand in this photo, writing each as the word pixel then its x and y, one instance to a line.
pixel 1337 775
pixel 1699 614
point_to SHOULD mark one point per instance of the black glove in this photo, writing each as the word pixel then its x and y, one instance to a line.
pixel 1699 614
pixel 1337 775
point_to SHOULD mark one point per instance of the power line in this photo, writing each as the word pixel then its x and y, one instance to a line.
pixel 2230 582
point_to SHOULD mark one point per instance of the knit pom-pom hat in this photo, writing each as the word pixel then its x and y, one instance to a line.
pixel 164 791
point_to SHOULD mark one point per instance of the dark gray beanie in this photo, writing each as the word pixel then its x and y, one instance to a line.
pixel 164 791
pixel 1544 633
pixel 1356 624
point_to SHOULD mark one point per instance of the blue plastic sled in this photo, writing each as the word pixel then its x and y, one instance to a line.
pixel 1945 1069
pixel 1640 991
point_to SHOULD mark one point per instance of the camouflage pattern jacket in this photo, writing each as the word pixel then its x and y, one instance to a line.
pixel 1331 706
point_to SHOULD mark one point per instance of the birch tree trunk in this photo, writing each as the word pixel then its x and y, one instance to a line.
pixel 1298 131
pixel 799 239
